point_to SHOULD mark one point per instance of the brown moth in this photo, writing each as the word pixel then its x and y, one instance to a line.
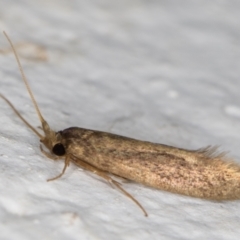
pixel 197 173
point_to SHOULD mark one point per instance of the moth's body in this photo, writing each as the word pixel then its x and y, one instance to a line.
pixel 200 173
pixel 193 173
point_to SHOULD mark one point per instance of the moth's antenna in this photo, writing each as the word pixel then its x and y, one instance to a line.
pixel 22 118
pixel 25 81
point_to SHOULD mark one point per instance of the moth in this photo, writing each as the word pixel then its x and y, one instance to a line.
pixel 201 173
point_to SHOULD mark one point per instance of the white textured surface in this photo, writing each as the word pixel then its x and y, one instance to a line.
pixel 163 71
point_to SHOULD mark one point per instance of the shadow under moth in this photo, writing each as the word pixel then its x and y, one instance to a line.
pixel 199 173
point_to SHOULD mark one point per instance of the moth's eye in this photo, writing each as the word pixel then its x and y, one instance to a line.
pixel 58 149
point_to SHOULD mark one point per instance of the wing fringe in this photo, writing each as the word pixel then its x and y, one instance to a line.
pixel 212 152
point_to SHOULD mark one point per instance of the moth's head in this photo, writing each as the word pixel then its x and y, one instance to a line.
pixel 52 140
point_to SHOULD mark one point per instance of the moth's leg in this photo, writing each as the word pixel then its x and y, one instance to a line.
pixel 125 180
pixel 49 155
pixel 104 175
pixel 66 164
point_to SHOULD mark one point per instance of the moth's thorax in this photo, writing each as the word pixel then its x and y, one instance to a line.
pixel 73 139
